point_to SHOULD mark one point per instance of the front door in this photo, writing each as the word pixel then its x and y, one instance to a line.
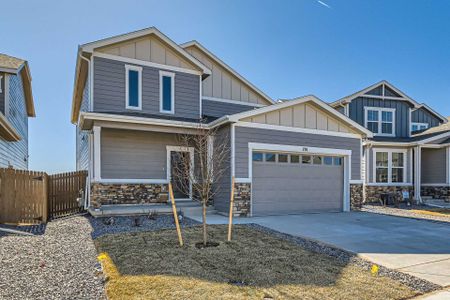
pixel 180 183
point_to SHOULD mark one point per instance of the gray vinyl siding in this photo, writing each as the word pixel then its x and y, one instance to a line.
pixel 356 111
pixel 223 188
pixel 16 153
pixel 109 90
pixel 127 154
pixel 244 135
pixel 371 165
pixel 82 137
pixel 2 93
pixel 433 165
pixel 424 116
pixel 219 109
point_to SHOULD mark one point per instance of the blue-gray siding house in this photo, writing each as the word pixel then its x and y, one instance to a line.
pixel 409 150
pixel 16 106
pixel 135 94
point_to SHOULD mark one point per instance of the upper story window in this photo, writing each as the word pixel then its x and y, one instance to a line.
pixel 379 120
pixel 418 126
pixel 1 77
pixel 133 87
pixel 389 166
pixel 166 92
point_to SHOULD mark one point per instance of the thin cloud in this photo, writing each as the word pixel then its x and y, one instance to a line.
pixel 324 4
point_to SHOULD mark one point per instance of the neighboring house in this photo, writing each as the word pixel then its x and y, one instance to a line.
pixel 16 105
pixel 134 93
pixel 410 147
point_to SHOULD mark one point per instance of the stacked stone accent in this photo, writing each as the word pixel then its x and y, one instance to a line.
pixel 373 193
pixel 104 194
pixel 436 192
pixel 356 196
pixel 242 197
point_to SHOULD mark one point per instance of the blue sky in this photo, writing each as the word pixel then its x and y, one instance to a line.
pixel 286 48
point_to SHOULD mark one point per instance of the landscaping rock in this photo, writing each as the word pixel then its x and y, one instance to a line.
pixel 128 224
pixel 58 264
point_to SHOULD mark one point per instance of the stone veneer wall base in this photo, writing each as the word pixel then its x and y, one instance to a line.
pixel 242 199
pixel 436 192
pixel 374 192
pixel 106 194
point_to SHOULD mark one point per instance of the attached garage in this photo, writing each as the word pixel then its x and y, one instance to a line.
pixel 287 183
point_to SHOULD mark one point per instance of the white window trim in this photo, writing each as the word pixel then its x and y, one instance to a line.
pixel 1 77
pixel 172 100
pixel 389 167
pixel 380 122
pixel 139 70
pixel 419 124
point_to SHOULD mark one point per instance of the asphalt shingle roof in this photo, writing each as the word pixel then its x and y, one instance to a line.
pixel 10 62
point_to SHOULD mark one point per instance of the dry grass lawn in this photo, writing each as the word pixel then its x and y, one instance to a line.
pixel 442 212
pixel 150 265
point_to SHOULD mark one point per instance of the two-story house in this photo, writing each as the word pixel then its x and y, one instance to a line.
pixel 16 105
pixel 134 93
pixel 409 150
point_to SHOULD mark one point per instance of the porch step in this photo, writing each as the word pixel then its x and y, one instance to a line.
pixel 187 207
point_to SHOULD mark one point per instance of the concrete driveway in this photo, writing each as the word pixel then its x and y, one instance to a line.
pixel 420 248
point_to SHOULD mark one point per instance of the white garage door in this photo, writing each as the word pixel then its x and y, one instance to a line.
pixel 286 183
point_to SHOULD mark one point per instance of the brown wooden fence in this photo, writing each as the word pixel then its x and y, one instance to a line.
pixel 29 197
pixel 23 196
pixel 63 191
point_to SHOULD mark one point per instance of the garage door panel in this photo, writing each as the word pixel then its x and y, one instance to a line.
pixel 286 188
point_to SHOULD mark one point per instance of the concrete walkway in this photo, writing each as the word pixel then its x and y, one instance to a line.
pixel 419 248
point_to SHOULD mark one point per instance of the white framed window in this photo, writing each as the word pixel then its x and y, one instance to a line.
pixel 389 166
pixel 380 120
pixel 166 92
pixel 1 78
pixel 418 126
pixel 133 87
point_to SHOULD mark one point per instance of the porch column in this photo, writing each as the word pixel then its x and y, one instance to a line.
pixel 417 173
pixel 97 155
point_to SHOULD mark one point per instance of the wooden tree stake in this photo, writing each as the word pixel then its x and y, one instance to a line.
pixel 175 215
pixel 230 220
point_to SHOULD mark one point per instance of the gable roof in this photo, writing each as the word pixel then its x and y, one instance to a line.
pixel 86 50
pixel 226 67
pixel 13 65
pixel 288 103
pixel 90 47
pixel 385 84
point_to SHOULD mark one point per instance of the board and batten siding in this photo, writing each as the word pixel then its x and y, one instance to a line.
pixel 245 135
pixel 219 109
pixel 2 93
pixel 82 136
pixel 109 90
pixel 407 166
pixel 433 165
pixel 422 115
pixel 303 115
pixel 356 112
pixel 148 48
pixel 127 154
pixel 16 153
pixel 222 83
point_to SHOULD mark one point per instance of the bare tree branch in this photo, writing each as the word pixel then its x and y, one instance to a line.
pixel 211 161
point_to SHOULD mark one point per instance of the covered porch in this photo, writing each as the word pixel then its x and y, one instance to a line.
pixel 131 161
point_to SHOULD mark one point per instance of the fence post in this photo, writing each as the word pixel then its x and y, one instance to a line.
pixel 45 198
